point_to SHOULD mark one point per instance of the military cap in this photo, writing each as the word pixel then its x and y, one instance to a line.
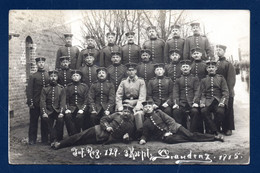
pixel 115 53
pixel 194 24
pixel 128 107
pixel 76 72
pixel 53 72
pixel 159 65
pixel 148 102
pixel 146 51
pixel 188 62
pixel 62 58
pixel 88 53
pixel 90 36
pixel 211 62
pixel 68 35
pixel 40 59
pixel 131 65
pixel 130 33
pixel 175 26
pixel 175 50
pixel 101 69
pixel 110 33
pixel 150 27
pixel 197 49
pixel 221 46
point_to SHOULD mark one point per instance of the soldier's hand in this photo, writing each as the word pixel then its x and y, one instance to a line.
pixel 221 104
pixel 126 136
pixel 167 134
pixel 142 142
pixel 155 106
pixel 202 105
pixel 67 111
pixel 175 106
pixel 31 106
pixel 80 111
pixel 94 112
pixel 61 115
pixel 120 109
pixel 107 112
pixel 165 104
pixel 195 105
pixel 109 129
pixel 45 115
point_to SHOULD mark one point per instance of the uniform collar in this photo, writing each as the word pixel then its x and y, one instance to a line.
pixel 90 47
pixel 153 38
pixel 177 36
pixel 197 61
pixel 102 80
pixel 132 80
pixel 116 65
pixel 131 43
pixel 111 44
pixel 68 45
pixel 41 70
pixel 222 58
pixel 76 83
pixel 196 34
pixel 212 75
pixel 159 77
pixel 175 62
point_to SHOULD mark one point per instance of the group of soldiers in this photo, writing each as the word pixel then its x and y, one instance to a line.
pixel 173 91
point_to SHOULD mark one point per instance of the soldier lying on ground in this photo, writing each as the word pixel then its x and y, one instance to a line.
pixel 160 126
pixel 113 128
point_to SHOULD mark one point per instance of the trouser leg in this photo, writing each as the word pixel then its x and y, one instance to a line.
pixel 228 122
pixel 196 124
pixel 33 126
pixel 206 114
pixel 86 137
pixel 139 118
pixel 167 110
pixel 87 121
pixel 95 118
pixel 44 129
pixel 177 115
pixel 219 115
pixel 70 124
pixel 79 122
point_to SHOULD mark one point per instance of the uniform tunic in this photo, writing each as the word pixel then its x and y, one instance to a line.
pixel 199 69
pixel 71 51
pixel 174 43
pixel 83 54
pixel 131 53
pixel 64 77
pixel 173 70
pixel 157 48
pixel 197 41
pixel 145 70
pixel 116 74
pixel 89 74
pixel 105 54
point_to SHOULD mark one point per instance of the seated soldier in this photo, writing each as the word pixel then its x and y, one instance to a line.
pixel 88 71
pixel 214 98
pixel 113 128
pixel 52 103
pixel 64 75
pixel 173 69
pixel 186 97
pixel 159 89
pixel 145 69
pixel 132 90
pixel 76 103
pixel 160 126
pixel 101 97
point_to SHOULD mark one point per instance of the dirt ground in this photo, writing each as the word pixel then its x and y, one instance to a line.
pixel 235 149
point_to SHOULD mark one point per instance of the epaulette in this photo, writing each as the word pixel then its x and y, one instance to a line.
pixel 104 47
pixel 69 84
pixel 153 78
pixel 140 78
pixel 161 40
pixel 60 86
pixel 190 36
pixel 83 84
pixel 95 82
pixel 110 66
pixel 83 50
pixel 219 75
pixel 166 77
pixel 123 79
pixel 47 85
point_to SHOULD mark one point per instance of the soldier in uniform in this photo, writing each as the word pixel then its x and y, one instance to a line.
pixel 160 126
pixel 76 103
pixel 89 49
pixel 68 50
pixel 159 90
pixel 198 67
pixel 37 81
pixel 197 40
pixel 101 97
pixel 214 98
pixel 89 69
pixel 116 71
pixel 176 42
pixel 146 68
pixel 227 70
pixel 115 127
pixel 132 90
pixel 173 69
pixel 64 75
pixel 186 97
pixel 131 51
pixel 105 54
pixel 155 44
pixel 52 103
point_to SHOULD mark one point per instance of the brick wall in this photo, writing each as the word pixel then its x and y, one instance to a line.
pixel 46 38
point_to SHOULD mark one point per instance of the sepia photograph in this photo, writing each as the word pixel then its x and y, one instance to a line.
pixel 129 87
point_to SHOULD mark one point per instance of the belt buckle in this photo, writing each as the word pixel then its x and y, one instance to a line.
pixel 131 98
